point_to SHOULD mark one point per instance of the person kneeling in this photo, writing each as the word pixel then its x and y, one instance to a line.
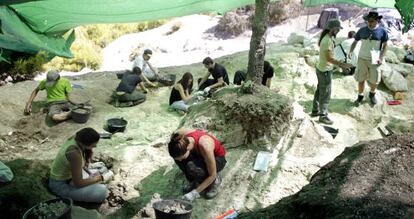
pixel 181 98
pixel 68 176
pixel 126 92
pixel 201 157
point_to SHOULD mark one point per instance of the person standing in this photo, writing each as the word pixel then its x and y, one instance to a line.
pixel 324 71
pixel 373 47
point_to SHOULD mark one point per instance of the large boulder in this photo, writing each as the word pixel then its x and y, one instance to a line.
pixel 250 114
pixel 394 80
pixel 28 187
pixel 404 68
pixel 369 180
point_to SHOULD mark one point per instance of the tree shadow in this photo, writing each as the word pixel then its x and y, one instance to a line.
pixel 166 183
pixel 341 106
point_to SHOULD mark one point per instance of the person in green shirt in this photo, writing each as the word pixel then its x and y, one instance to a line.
pixel 58 98
pixel 324 71
pixel 71 175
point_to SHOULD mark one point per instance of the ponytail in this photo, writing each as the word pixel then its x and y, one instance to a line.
pixel 178 145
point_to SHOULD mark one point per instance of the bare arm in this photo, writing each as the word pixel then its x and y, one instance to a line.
pixel 383 49
pixel 351 50
pixel 155 70
pixel 330 58
pixel 204 79
pixel 220 83
pixel 183 94
pixel 268 82
pixel 28 108
pixel 206 144
pixel 147 81
pixel 142 86
pixel 75 160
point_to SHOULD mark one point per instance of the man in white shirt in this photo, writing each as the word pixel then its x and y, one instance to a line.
pixel 149 72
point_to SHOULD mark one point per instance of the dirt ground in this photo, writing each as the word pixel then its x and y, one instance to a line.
pixel 140 158
pixel 372 179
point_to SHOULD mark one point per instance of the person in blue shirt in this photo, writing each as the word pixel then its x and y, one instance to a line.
pixel 373 47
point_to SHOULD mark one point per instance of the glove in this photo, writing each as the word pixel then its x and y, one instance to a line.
pixel 96 165
pixel 207 89
pixel 191 196
pixel 106 177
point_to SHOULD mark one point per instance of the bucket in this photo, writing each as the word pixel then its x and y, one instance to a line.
pixel 172 209
pixel 64 213
pixel 167 80
pixel 120 75
pixel 332 131
pixel 116 125
pixel 80 115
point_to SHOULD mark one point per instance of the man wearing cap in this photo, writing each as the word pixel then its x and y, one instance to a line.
pixel 57 93
pixel 324 71
pixel 373 42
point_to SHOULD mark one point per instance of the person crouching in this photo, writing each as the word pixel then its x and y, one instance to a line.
pixel 201 157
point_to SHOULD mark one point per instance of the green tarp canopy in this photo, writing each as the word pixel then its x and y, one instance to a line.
pixel 405 7
pixel 38 25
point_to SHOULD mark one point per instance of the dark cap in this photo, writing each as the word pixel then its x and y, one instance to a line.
pixel 372 14
pixel 332 24
pixel 148 52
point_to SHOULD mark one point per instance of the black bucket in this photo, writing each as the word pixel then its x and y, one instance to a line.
pixel 163 211
pixel 80 115
pixel 167 80
pixel 120 75
pixel 30 214
pixel 332 131
pixel 116 125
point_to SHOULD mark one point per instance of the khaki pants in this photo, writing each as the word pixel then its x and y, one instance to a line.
pixel 366 71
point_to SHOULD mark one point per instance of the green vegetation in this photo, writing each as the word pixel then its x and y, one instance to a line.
pixel 91 39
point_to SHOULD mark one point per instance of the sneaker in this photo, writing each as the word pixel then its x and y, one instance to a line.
pixel 325 120
pixel 372 98
pixel 358 101
pixel 213 190
pixel 314 114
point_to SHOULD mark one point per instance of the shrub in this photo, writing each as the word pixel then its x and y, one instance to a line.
pixel 283 10
pixel 91 39
pixel 26 67
pixel 232 24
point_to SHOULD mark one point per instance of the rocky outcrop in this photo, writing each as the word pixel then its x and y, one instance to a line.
pixel 369 180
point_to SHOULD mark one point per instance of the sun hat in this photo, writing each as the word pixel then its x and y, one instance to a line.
pixel 372 14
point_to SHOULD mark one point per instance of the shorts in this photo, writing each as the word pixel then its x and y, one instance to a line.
pixel 59 107
pixel 366 71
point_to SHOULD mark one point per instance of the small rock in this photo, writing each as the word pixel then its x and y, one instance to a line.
pixel 9 79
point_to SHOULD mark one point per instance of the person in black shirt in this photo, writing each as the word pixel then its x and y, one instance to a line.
pixel 219 73
pixel 181 93
pixel 268 73
pixel 126 90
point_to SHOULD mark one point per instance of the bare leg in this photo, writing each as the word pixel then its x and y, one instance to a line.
pixel 361 86
pixel 61 116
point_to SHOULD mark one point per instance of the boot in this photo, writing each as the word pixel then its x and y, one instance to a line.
pixel 358 101
pixel 325 120
pixel 372 98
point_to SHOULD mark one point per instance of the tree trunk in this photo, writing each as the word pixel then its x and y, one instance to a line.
pixel 258 42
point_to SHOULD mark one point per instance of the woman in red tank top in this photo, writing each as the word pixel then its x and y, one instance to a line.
pixel 200 156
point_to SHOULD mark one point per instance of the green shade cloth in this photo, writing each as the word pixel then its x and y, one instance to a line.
pixel 405 7
pixel 31 26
